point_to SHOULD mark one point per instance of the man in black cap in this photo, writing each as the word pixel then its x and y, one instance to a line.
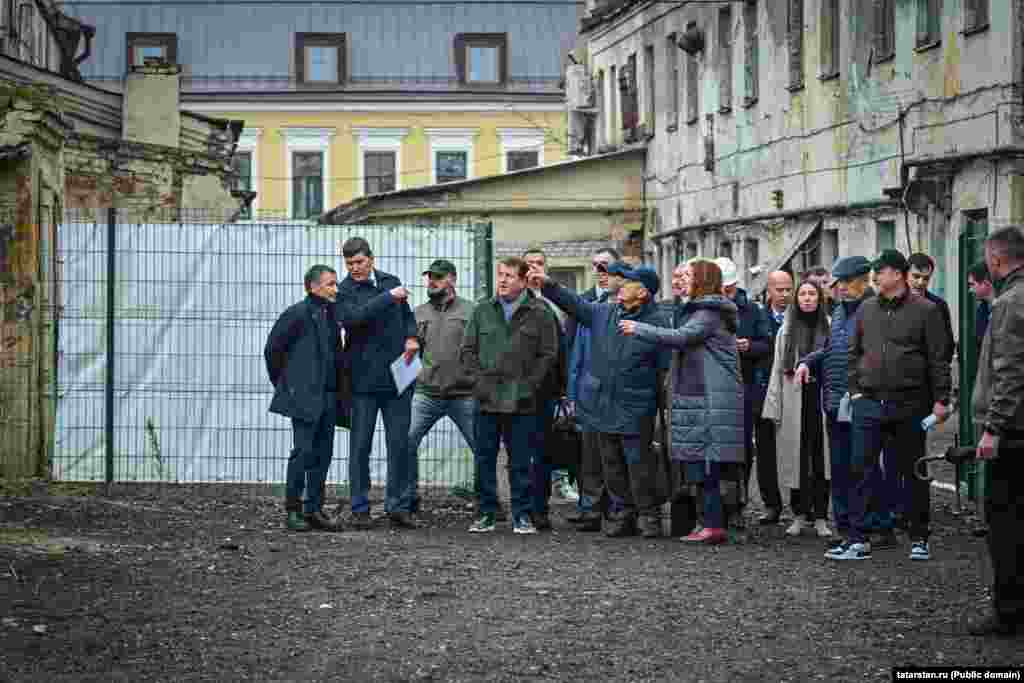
pixel 621 396
pixel 898 374
pixel 830 366
pixel 444 387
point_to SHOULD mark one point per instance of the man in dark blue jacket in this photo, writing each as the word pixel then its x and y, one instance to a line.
pixel 979 281
pixel 381 327
pixel 303 358
pixel 830 366
pixel 754 339
pixel 619 396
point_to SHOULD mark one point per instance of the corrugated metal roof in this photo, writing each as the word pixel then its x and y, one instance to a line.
pixel 400 41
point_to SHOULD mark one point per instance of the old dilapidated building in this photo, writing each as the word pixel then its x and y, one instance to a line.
pixel 66 145
pixel 785 133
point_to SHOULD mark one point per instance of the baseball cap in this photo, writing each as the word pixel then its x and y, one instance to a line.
pixel 891 258
pixel 646 276
pixel 440 268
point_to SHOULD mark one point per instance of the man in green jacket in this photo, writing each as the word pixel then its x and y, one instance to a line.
pixel 509 347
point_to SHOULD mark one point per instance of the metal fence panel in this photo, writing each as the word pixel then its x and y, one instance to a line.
pixel 193 305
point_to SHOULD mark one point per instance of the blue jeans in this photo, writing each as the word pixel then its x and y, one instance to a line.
pixel 517 431
pixel 887 426
pixel 396 411
pixel 426 411
pixel 310 459
pixel 840 446
pixel 540 469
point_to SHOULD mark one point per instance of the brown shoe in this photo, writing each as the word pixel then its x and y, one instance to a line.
pixel 319 521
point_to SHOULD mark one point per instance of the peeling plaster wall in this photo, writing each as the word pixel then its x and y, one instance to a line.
pixel 836 141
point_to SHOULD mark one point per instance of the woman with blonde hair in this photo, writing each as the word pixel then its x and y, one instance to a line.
pixel 796 410
pixel 705 391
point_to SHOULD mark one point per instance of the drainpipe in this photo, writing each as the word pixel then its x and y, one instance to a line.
pixel 776 215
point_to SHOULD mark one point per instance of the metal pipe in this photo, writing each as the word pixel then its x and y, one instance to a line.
pixel 775 215
pixel 108 387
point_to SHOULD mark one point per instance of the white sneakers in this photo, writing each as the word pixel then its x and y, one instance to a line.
pixel 800 523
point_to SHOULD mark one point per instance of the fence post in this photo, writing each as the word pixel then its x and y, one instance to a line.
pixel 483 254
pixel 108 388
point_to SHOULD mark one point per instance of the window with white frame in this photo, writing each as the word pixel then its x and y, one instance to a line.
pixel 521 148
pixel 308 158
pixel 451 154
pixel 378 159
pixel 245 166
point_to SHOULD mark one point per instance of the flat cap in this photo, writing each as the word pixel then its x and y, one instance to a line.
pixel 618 268
pixel 646 276
pixel 850 267
pixel 440 268
pixel 891 258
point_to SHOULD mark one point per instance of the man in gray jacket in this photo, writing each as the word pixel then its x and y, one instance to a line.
pixel 443 388
pixel 999 412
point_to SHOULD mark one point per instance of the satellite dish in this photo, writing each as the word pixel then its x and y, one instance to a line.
pixel 920 195
pixel 692 40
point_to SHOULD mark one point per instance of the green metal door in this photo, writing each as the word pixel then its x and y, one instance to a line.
pixel 971 250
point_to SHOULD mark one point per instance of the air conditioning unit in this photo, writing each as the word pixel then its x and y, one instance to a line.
pixel 579 93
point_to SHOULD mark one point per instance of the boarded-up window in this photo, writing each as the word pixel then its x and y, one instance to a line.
pixel 928 22
pixel 378 172
pixel 751 50
pixel 829 34
pixel 795 39
pixel 649 85
pixel 725 59
pixel 672 65
pixel 975 15
pixel 692 86
pixel 885 29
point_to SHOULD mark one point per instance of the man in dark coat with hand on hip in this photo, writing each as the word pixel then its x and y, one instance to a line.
pixel 381 327
pixel 303 358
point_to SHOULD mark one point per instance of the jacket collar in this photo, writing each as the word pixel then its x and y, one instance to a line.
pixel 638 313
pixel 1012 278
pixel 896 302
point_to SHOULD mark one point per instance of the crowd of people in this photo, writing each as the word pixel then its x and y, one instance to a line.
pixel 822 390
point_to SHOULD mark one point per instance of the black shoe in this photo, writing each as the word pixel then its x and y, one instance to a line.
pixel 541 521
pixel 769 518
pixel 620 524
pixel 576 517
pixel 989 623
pixel 361 520
pixel 649 526
pixel 402 520
pixel 591 521
pixel 321 522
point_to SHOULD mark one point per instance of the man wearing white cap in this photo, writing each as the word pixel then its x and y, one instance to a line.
pixel 754 341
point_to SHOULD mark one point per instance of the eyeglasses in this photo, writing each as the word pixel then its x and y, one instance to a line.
pixel 600 266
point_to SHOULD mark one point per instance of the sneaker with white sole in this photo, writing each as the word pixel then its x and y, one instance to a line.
pixel 821 528
pixel 919 551
pixel 798 526
pixel 850 551
pixel 484 524
pixel 523 525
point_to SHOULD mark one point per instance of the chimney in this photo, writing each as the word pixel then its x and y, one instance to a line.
pixel 152 103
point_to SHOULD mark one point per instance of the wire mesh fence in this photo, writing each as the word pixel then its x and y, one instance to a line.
pixel 165 361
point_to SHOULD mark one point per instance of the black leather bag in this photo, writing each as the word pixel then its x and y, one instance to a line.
pixel 563 443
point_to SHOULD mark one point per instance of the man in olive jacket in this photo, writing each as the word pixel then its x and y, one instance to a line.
pixel 999 413
pixel 509 347
pixel 898 373
pixel 444 388
pixel 303 358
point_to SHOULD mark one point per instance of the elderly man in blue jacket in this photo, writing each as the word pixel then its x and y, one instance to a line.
pixel 303 359
pixel 619 396
pixel 381 327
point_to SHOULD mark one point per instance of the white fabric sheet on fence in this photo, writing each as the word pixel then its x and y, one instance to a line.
pixel 194 304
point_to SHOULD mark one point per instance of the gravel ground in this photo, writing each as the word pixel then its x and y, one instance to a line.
pixel 174 588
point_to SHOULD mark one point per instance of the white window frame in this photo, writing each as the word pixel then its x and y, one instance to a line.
pixel 451 140
pixel 520 140
pixel 308 140
pixel 249 141
pixel 377 140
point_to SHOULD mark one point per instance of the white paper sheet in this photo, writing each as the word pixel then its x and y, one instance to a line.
pixel 404 373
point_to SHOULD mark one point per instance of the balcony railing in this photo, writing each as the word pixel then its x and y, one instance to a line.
pixel 193 84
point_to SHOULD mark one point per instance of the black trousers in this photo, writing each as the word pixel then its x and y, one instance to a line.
pixel 634 476
pixel 1004 509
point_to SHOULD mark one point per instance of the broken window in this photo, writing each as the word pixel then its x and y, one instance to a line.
pixel 885 30
pixel 795 38
pixel 627 88
pixel 928 22
pixel 829 34
pixel 725 59
pixel 751 53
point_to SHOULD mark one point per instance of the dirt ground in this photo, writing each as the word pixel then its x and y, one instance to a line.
pixel 165 587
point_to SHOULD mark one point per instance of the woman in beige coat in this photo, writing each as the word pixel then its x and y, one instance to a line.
pixel 803 457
